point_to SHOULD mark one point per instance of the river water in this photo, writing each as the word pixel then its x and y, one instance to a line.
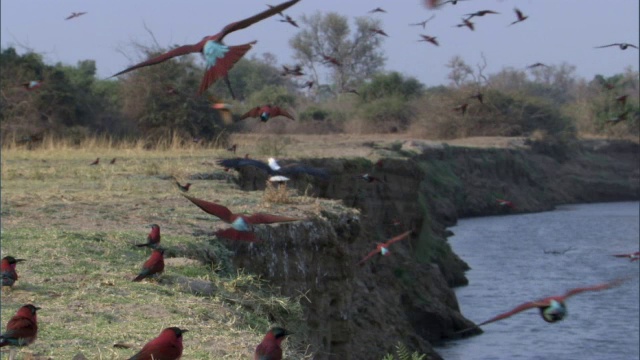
pixel 509 267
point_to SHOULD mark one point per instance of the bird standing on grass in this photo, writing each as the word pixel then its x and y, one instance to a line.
pixel 8 268
pixel 22 329
pixel 167 346
pixel 183 188
pixel 154 265
pixel 269 348
pixel 153 239
pixel 95 162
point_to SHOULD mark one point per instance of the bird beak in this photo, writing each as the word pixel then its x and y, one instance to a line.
pixel 20 260
pixel 183 330
pixel 37 308
pixel 287 333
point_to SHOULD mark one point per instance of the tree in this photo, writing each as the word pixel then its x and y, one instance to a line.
pixel 329 35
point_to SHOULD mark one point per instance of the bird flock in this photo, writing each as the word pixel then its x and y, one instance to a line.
pixel 22 328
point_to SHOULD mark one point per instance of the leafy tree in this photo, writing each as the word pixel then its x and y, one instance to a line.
pixel 391 84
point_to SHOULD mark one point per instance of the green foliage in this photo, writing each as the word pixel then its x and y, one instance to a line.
pixel 274 95
pixel 404 353
pixel 388 112
pixel 392 84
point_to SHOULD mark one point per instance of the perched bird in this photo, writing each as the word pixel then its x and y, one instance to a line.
pixel 467 23
pixel 431 39
pixel 273 168
pixel 553 308
pixel 383 248
pixel 32 85
pixel 167 346
pixel 481 13
pixel 113 161
pixel 183 188
pixel 619 118
pixel 331 60
pixel 241 225
pixel 368 178
pixel 269 348
pixel 478 96
pixel 520 15
pixel 233 148
pixel 219 57
pixel 423 23
pixel 289 19
pixel 622 100
pixel 622 46
pixel 22 328
pixel 632 257
pixel 538 64
pixel 378 9
pixel 75 15
pixel 266 112
pixel 153 265
pixel 95 162
pixel 462 108
pixel 8 269
pixel 507 203
pixel 378 31
pixel 153 239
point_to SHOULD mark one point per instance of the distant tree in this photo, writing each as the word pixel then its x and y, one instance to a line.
pixel 391 84
pixel 329 34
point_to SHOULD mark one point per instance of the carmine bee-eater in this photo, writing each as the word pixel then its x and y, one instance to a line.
pixel 383 248
pixel 154 265
pixel 8 267
pixel 289 19
pixel 622 99
pixel 266 112
pixel 95 162
pixel 219 58
pixel 32 85
pixel 553 308
pixel 22 329
pixel 153 239
pixel 521 17
pixel 378 9
pixel 632 257
pixel 622 46
pixel 480 13
pixel 269 348
pixel 505 203
pixel 431 39
pixel 167 346
pixel 241 225
pixel 113 161
pixel 183 188
pixel 75 15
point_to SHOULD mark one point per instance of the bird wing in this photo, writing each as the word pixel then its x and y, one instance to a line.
pixel 233 234
pixel 237 163
pixel 369 256
pixel 633 46
pixel 20 327
pixel 276 111
pixel 295 169
pixel 622 255
pixel 255 112
pixel 181 50
pixel 402 236
pixel 223 65
pixel 262 218
pixel 238 25
pixel 598 287
pixel 212 208
pixel 604 46
pixel 519 14
pixel 517 309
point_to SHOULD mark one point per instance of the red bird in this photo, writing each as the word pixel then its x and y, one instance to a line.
pixel 96 162
pixel 467 23
pixel 153 239
pixel 481 13
pixel 183 188
pixel 22 329
pixel 233 148
pixel 617 119
pixel 382 248
pixel 240 224
pixel 154 265
pixel 462 108
pixel 269 348
pixel 478 96
pixel 331 60
pixel 8 268
pixel 266 112
pixel 75 15
pixel 113 161
pixel 506 203
pixel 308 84
pixel 167 346
pixel 520 15
pixel 431 39
pixel 552 308
pixel 423 23
pixel 219 57
pixel 622 100
pixel 632 257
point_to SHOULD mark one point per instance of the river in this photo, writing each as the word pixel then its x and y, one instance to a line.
pixel 509 267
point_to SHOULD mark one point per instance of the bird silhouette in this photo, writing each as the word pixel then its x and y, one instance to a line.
pixel 241 225
pixel 75 15
pixel 273 168
pixel 153 239
pixel 308 84
pixel 288 19
pixel 467 23
pixel 8 269
pixel 269 348
pixel 266 112
pixel 538 64
pixel 331 60
pixel 462 108
pixel 368 178
pixel 378 9
pixel 383 248
pixel 622 100
pixel 183 188
pixel 423 23
pixel 617 119
pixel 22 328
pixel 431 39
pixel 113 161
pixel 553 308
pixel 32 85
pixel 622 46
pixel 219 57
pixel 378 31
pixel 295 71
pixel 632 256
pixel 478 96
pixel 95 162
pixel 432 4
pixel 167 346
pixel 481 13
pixel 153 265
pixel 232 148
pixel 521 17
pixel 505 203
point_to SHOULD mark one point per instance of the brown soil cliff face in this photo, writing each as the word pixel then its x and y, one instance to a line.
pixel 407 296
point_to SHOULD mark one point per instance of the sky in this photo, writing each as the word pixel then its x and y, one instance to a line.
pixel 556 31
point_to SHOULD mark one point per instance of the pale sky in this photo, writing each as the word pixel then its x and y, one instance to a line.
pixel 557 31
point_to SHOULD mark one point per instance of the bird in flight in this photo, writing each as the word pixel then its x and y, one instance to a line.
pixel 622 46
pixel 266 112
pixel 481 13
pixel 520 15
pixel 423 23
pixel 75 15
pixel 289 19
pixel 538 64
pixel 505 203
pixel 462 108
pixel 467 23
pixel 431 39
pixel 378 31
pixel 219 58
pixel 619 118
pixel 383 248
pixel 378 9
pixel 632 257
pixel 368 178
pixel 331 60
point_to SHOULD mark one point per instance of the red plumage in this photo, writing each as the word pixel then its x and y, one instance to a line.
pixel 22 329
pixel 167 346
pixel 269 348
pixel 272 111
pixel 8 269
pixel 233 234
pixel 153 265
pixel 385 245
pixel 227 216
pixel 95 162
pixel 153 239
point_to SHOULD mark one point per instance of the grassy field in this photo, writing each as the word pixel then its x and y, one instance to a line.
pixel 76 225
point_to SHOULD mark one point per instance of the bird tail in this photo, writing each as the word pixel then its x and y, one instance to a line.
pixel 139 278
pixel 145 244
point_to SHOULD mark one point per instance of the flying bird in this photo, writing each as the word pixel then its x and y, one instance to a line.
pixel 432 4
pixel 368 178
pixel 423 23
pixel 273 168
pixel 478 96
pixel 75 15
pixel 331 60
pixel 296 71
pixel 153 265
pixel 308 84
pixel 183 188
pixel 22 328
pixel 505 203
pixel 241 225
pixel 269 348
pixel 266 112
pixel 431 39
pixel 622 46
pixel 553 308
pixel 167 346
pixel 378 31
pixel 462 108
pixel 153 239
pixel 520 15
pixel 32 85
pixel 352 91
pixel 538 64
pixel 95 162
pixel 219 57
pixel 619 118
pixel 383 248
pixel 8 269
pixel 632 257
pixel 378 9
pixel 288 19
pixel 481 13
pixel 622 100
pixel 467 23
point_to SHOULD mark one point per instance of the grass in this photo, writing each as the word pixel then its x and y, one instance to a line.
pixel 76 225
